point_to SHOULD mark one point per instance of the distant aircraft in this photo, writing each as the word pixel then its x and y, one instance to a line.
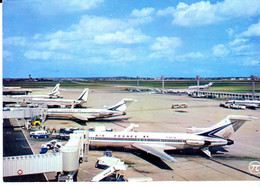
pixel 206 86
pixel 247 103
pixel 54 94
pixel 156 143
pixel 16 91
pixel 63 103
pixel 89 113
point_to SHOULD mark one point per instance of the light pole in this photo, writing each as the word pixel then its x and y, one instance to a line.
pixel 198 83
pixel 162 77
pixel 253 78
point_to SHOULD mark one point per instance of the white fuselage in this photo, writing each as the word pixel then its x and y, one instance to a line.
pixel 176 140
pixel 90 113
pixel 244 102
pixel 57 102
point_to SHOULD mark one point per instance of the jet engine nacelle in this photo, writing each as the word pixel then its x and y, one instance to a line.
pixel 195 129
pixel 197 142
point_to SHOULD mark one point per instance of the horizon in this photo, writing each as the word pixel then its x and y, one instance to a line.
pixel 130 77
pixel 102 38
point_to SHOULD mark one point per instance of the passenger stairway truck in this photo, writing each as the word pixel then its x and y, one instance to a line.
pixel 115 165
pixel 65 162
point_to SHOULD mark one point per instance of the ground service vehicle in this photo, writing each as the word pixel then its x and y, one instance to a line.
pixel 39 134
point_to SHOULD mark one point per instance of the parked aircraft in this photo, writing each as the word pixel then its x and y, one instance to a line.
pixel 156 143
pixel 206 86
pixel 247 103
pixel 89 113
pixel 63 103
pixel 54 94
pixel 16 90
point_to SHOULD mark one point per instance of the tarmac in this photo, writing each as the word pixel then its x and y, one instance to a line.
pixel 153 113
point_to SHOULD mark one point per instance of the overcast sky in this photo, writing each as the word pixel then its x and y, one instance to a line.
pixel 146 38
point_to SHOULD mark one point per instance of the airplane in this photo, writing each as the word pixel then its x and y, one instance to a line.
pixel 89 113
pixel 62 103
pixel 206 86
pixel 247 103
pixel 156 143
pixel 54 94
pixel 15 91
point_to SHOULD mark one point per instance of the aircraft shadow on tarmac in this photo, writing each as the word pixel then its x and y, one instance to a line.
pixel 84 123
pixel 217 151
pixel 141 154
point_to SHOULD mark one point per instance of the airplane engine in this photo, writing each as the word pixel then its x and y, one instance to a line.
pixel 195 129
pixel 197 142
pixel 104 114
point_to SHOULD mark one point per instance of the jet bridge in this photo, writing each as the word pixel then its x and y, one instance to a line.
pixel 32 164
pixel 66 161
pixel 25 113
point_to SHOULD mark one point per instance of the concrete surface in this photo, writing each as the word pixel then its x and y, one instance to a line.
pixel 153 113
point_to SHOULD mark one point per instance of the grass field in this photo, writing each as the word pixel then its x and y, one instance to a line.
pixel 219 85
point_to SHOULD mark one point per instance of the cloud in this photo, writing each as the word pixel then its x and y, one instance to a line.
pixel 45 55
pixel 129 36
pixel 220 50
pixel 200 13
pixel 82 5
pixel 166 43
pixel 191 55
pixel 253 30
pixel 165 47
pixel 142 13
pixel 123 55
pixel 241 48
pixel 251 63
pixel 15 41
pixel 230 32
pixel 7 54
pixel 91 36
pixel 167 11
pixel 238 41
pixel 204 13
pixel 52 7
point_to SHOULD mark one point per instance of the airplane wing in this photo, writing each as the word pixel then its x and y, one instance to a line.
pixel 80 117
pixel 156 150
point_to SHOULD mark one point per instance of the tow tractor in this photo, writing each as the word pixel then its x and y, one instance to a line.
pixel 33 124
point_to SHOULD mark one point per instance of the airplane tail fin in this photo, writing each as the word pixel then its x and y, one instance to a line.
pixel 227 127
pixel 121 105
pixel 84 95
pixel 210 84
pixel 55 90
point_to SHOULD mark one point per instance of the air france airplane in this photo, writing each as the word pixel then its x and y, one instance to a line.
pixel 63 103
pixel 54 94
pixel 156 143
pixel 206 86
pixel 89 113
